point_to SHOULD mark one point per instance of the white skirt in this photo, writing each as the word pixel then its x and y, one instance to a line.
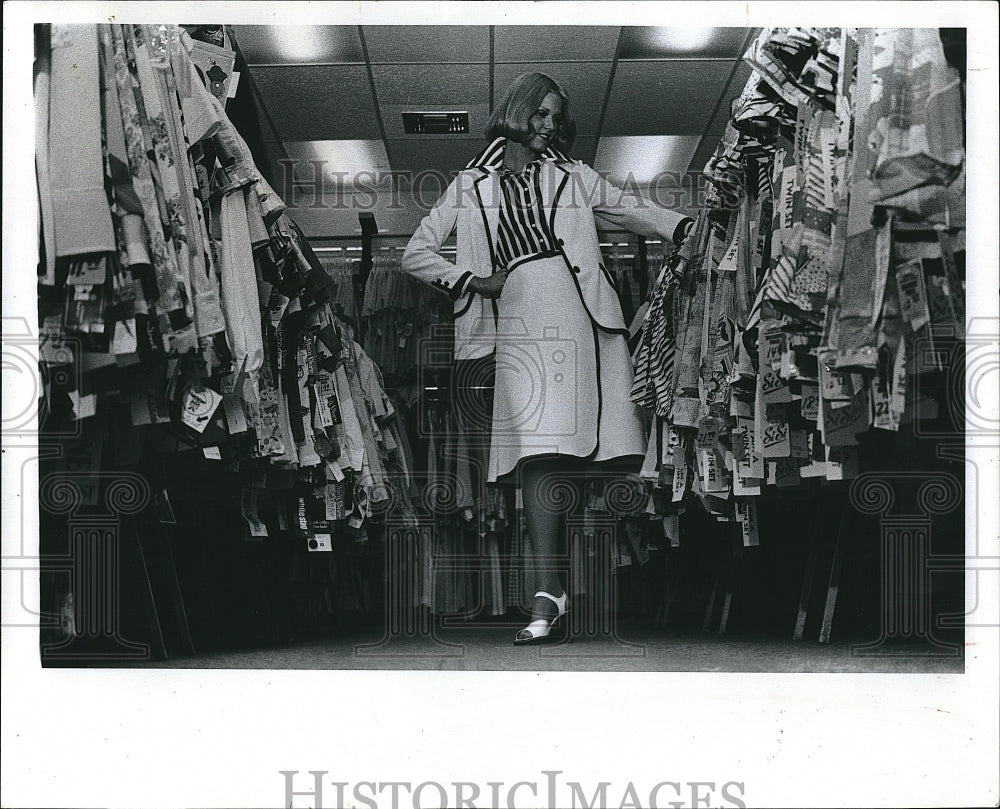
pixel 562 384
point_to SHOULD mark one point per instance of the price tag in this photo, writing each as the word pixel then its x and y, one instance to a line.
pixel 746 513
pixel 799 444
pixel 913 294
pixel 729 260
pixel 786 472
pixel 708 432
pixel 771 346
pixel 810 400
pixel 321 542
pixel 679 483
pixel 833 384
pixel 198 405
pixel 774 388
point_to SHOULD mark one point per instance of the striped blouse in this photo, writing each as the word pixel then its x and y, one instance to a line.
pixel 523 229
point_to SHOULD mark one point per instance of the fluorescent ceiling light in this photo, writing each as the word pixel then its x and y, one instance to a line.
pixel 299 44
pixel 681 40
pixel 672 42
pixel 340 161
pixel 645 158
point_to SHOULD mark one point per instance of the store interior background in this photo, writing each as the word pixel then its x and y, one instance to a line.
pixel 648 102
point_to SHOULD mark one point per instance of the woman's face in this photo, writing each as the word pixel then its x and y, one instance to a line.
pixel 544 123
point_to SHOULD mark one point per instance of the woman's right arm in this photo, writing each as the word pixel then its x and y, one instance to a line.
pixel 422 257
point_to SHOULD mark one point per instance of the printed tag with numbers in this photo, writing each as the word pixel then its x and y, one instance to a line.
pixel 834 386
pixel 708 432
pixel 810 400
pixel 913 294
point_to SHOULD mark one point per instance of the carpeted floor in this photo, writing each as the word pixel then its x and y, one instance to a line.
pixel 491 649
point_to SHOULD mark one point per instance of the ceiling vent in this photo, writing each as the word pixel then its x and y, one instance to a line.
pixel 436 123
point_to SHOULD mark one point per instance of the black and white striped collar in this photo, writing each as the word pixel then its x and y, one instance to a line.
pixel 491 158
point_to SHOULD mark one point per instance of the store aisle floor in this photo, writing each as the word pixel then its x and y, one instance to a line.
pixel 491 649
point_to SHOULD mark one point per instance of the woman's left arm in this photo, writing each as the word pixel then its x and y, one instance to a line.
pixel 630 210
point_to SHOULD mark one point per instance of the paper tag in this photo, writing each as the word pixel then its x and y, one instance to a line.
pixel 786 472
pixel 774 388
pixel 841 463
pixel 680 482
pixel 212 453
pixel 798 444
pixel 810 400
pixel 746 486
pixel 833 384
pixel 842 424
pixel 729 260
pixel 334 501
pixel 236 421
pixel 249 508
pixel 84 406
pixel 883 417
pixel 708 432
pixel 746 514
pixel 319 542
pixel 913 294
pixel 771 346
pixel 672 529
pixel 883 260
pixel 87 271
pixel 198 406
pixel 124 345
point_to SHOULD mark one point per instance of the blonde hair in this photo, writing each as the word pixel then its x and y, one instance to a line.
pixel 510 117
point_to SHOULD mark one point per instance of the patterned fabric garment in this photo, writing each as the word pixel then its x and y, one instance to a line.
pixel 522 230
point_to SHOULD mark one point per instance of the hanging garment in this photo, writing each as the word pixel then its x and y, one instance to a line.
pixel 46 215
pixel 239 284
pixel 172 294
pixel 80 213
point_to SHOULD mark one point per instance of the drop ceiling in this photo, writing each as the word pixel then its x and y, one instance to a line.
pixel 646 99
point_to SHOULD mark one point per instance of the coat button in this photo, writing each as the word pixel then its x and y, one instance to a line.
pixel 576 269
pixel 561 243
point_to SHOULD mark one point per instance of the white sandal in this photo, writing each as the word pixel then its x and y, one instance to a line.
pixel 538 631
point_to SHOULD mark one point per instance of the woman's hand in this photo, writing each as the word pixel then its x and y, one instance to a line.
pixel 489 287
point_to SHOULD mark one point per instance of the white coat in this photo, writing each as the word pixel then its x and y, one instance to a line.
pixel 571 193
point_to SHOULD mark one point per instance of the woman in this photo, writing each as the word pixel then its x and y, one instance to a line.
pixel 529 287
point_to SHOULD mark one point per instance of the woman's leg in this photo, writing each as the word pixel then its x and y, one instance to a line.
pixel 549 490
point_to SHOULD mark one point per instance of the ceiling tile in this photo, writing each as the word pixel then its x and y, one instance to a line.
pixel 585 83
pixel 652 42
pixel 717 125
pixel 665 97
pixel 429 84
pixel 644 158
pixel 554 43
pixel 443 155
pixel 318 102
pixel 291 44
pixel 427 43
